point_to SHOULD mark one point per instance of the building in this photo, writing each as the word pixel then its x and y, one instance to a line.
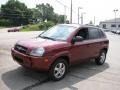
pixel 113 24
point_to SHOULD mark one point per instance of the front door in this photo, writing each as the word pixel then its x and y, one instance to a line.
pixel 80 50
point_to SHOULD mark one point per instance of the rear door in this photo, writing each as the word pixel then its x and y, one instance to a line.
pixel 94 41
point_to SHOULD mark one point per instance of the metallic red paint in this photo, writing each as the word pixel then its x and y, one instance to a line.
pixel 54 49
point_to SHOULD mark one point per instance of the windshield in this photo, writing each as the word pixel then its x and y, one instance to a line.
pixel 59 32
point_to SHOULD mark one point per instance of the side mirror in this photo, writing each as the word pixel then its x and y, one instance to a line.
pixel 77 39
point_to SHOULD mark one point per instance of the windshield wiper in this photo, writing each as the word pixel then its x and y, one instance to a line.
pixel 47 37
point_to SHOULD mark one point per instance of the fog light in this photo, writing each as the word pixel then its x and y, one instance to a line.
pixel 46 60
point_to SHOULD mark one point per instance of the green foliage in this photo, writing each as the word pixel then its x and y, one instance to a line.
pixel 4 22
pixel 46 25
pixel 36 14
pixel 40 26
pixel 30 27
pixel 49 24
pixel 58 18
pixel 46 11
pixel 16 12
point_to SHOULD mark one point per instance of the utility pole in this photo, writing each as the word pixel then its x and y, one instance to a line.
pixel 94 20
pixel 82 17
pixel 115 11
pixel 71 13
pixel 64 14
pixel 78 14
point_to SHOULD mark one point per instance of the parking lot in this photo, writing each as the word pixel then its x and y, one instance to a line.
pixel 81 77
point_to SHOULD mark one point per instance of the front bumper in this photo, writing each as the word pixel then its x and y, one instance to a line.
pixel 38 63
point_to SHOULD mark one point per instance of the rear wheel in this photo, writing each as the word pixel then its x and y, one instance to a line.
pixel 58 70
pixel 101 59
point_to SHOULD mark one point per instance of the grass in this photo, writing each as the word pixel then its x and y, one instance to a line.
pixel 37 27
pixel 33 27
pixel 2 27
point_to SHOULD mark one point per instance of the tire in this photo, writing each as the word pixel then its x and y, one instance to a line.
pixel 101 59
pixel 58 69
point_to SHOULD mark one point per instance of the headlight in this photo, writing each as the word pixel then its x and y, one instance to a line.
pixel 37 52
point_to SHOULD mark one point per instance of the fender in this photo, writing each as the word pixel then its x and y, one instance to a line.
pixel 60 54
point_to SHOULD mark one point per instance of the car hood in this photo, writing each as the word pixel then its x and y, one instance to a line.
pixel 40 42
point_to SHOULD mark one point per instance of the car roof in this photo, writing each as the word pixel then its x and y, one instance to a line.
pixel 79 25
pixel 72 25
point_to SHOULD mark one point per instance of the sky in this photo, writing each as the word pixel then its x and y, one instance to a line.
pixel 100 9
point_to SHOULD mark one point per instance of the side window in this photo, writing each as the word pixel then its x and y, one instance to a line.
pixel 101 33
pixel 83 33
pixel 94 33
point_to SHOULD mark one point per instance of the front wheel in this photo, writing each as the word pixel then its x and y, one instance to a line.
pixel 101 59
pixel 58 70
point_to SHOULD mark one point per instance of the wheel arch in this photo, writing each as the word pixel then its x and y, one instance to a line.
pixel 65 57
pixel 105 49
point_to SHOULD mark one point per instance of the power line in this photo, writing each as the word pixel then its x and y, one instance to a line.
pixel 65 5
pixel 61 3
pixel 64 10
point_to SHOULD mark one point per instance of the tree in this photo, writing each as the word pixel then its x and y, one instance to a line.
pixel 58 18
pixel 46 11
pixel 36 14
pixel 61 19
pixel 0 14
pixel 16 12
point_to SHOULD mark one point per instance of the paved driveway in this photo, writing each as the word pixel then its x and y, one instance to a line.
pixel 86 76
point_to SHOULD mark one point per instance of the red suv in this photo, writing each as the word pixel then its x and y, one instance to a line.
pixel 60 47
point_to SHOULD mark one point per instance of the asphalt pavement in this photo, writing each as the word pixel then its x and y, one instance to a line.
pixel 86 76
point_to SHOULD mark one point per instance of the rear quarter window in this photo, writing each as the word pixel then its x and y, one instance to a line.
pixel 94 33
pixel 101 33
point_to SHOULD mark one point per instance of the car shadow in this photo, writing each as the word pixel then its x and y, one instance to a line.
pixel 77 74
pixel 21 78
pixel 24 79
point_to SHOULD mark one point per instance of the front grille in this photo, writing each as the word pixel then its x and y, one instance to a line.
pixel 21 49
